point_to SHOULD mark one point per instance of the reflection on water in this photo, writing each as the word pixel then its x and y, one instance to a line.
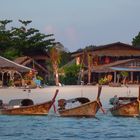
pixel 103 127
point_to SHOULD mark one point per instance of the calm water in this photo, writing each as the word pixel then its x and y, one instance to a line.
pixel 104 127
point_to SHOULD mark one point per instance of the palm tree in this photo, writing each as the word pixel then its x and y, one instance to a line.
pixel 81 73
pixel 55 59
pixel 124 75
pixel 86 61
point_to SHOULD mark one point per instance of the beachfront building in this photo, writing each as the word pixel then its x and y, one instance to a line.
pixel 40 62
pixel 36 62
pixel 110 59
pixel 11 73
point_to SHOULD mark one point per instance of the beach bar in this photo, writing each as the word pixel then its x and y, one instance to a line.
pixel 11 71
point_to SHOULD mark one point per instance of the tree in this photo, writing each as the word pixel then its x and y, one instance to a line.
pixel 90 47
pixel 65 58
pixel 65 54
pixel 22 41
pixel 124 75
pixel 5 37
pixel 87 61
pixel 30 40
pixel 55 60
pixel 71 74
pixel 136 40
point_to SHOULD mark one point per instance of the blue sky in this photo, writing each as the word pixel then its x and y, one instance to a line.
pixel 78 23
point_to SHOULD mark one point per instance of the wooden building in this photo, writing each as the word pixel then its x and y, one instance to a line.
pixel 104 57
pixel 36 62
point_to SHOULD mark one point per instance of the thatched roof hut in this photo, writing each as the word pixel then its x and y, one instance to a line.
pixel 9 70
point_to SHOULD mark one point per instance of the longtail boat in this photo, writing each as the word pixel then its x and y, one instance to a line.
pixel 27 107
pixel 126 106
pixel 85 107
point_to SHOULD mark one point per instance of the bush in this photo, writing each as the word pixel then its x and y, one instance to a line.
pixel 71 75
pixel 103 81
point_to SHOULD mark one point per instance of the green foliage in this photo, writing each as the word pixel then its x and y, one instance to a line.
pixel 136 40
pixel 124 73
pixel 65 58
pixel 11 53
pixel 39 78
pixel 103 81
pixel 90 47
pixel 63 55
pixel 10 83
pixel 5 37
pixel 71 75
pixel 22 39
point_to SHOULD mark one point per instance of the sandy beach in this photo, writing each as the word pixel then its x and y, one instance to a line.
pixel 44 94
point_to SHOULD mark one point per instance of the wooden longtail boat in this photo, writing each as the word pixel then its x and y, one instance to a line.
pixel 86 109
pixel 128 107
pixel 27 107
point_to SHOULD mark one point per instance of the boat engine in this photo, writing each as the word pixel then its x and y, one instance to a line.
pixel 61 104
pixel 1 104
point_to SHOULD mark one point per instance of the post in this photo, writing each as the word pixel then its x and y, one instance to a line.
pixel 115 77
pixel 131 76
pixel 99 92
pixel 139 94
pixel 2 78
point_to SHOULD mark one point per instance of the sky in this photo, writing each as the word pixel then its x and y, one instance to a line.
pixel 78 23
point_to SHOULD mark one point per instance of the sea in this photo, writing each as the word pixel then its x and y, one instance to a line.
pixel 53 127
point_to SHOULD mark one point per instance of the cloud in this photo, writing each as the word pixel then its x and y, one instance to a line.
pixel 68 36
pixel 50 29
pixel 71 34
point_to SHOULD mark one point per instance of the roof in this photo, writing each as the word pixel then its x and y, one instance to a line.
pixel 70 63
pixel 8 64
pixel 115 66
pixel 22 59
pixel 113 49
pixel 25 60
pixel 113 44
pixel 124 69
pixel 105 67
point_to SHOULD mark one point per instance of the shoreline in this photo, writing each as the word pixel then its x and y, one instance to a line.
pixel 39 95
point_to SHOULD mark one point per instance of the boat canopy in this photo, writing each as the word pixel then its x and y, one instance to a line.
pixel 21 102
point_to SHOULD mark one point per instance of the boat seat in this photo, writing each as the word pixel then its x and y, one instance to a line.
pixel 27 102
pixel 21 102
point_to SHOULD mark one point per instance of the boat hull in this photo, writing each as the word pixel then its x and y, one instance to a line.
pixel 128 110
pixel 86 110
pixel 38 109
